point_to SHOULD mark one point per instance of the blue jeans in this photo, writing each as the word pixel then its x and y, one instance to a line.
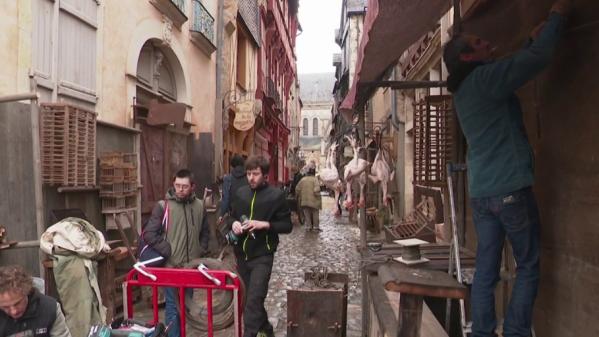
pixel 171 312
pixel 515 215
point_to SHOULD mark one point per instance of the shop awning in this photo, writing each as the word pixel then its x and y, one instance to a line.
pixel 390 27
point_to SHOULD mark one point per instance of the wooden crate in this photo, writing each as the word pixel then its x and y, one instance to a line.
pixel 68 145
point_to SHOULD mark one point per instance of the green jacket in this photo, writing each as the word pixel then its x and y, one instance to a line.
pixel 188 230
pixel 308 192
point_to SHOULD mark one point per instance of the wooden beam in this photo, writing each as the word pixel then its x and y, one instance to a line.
pixel 402 85
pixel 457 17
pixel 420 282
pixel 33 96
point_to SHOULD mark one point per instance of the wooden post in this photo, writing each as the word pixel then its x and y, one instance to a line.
pixel 37 169
pixel 410 315
pixel 457 17
pixel 362 210
pixel 124 235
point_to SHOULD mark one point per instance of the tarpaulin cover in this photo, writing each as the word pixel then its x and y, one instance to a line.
pixel 390 27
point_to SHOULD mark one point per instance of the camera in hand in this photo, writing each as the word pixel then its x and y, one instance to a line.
pixel 232 238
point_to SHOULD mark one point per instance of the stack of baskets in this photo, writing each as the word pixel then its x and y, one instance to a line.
pixel 118 182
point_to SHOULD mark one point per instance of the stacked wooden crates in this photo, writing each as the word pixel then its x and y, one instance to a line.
pixel 118 185
pixel 68 145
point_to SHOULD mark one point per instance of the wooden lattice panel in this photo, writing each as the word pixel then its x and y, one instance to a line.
pixel 433 139
pixel 68 145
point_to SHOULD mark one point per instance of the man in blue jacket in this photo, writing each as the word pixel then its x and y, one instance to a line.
pixel 500 165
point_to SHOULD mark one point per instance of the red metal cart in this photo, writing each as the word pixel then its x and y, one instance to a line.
pixel 201 278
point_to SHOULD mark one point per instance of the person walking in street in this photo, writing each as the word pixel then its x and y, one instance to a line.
pixel 185 238
pixel 310 200
pixel 500 165
pixel 24 311
pixel 231 182
pixel 268 215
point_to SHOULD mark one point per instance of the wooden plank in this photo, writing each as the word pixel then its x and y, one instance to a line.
pixel 422 282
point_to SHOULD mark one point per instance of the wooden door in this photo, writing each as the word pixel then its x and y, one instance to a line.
pixel 177 153
pixel 152 166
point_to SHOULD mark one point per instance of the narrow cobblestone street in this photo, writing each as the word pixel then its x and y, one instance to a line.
pixel 298 252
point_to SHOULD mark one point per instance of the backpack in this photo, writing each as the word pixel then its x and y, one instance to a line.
pixel 146 252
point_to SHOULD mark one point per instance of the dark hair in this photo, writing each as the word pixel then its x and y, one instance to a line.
pixel 311 171
pixel 255 162
pixel 184 173
pixel 237 160
pixel 452 50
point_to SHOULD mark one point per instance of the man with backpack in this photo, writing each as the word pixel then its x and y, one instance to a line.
pixel 231 182
pixel 309 199
pixel 179 231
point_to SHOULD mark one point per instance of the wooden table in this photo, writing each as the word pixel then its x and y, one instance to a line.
pixel 438 256
pixel 413 284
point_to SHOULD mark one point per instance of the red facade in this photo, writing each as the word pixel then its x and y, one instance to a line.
pixel 276 75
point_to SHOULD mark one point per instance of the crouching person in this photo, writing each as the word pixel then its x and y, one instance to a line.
pixel 24 310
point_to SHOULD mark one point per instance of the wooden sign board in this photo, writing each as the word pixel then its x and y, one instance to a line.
pixel 244 116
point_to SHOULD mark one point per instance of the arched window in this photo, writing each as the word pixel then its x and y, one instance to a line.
pixel 305 126
pixel 315 127
pixel 155 72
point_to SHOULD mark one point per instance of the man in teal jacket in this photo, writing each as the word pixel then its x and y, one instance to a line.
pixel 500 165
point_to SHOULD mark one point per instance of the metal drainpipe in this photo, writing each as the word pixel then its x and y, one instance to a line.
pixel 218 106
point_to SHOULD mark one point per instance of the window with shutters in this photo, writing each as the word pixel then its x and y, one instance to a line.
pixel 315 127
pixel 67 29
pixel 155 73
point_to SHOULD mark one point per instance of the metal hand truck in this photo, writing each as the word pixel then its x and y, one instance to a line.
pixel 200 278
pixel 455 264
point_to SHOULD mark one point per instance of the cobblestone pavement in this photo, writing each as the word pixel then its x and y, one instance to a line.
pixel 334 247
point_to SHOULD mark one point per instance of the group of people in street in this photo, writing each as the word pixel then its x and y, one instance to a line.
pixel 252 209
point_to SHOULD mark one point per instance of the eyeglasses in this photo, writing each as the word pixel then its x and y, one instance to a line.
pixel 182 186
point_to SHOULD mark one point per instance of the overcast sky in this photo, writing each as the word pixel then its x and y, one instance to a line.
pixel 316 44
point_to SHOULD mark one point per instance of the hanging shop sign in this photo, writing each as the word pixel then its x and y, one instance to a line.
pixel 244 115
